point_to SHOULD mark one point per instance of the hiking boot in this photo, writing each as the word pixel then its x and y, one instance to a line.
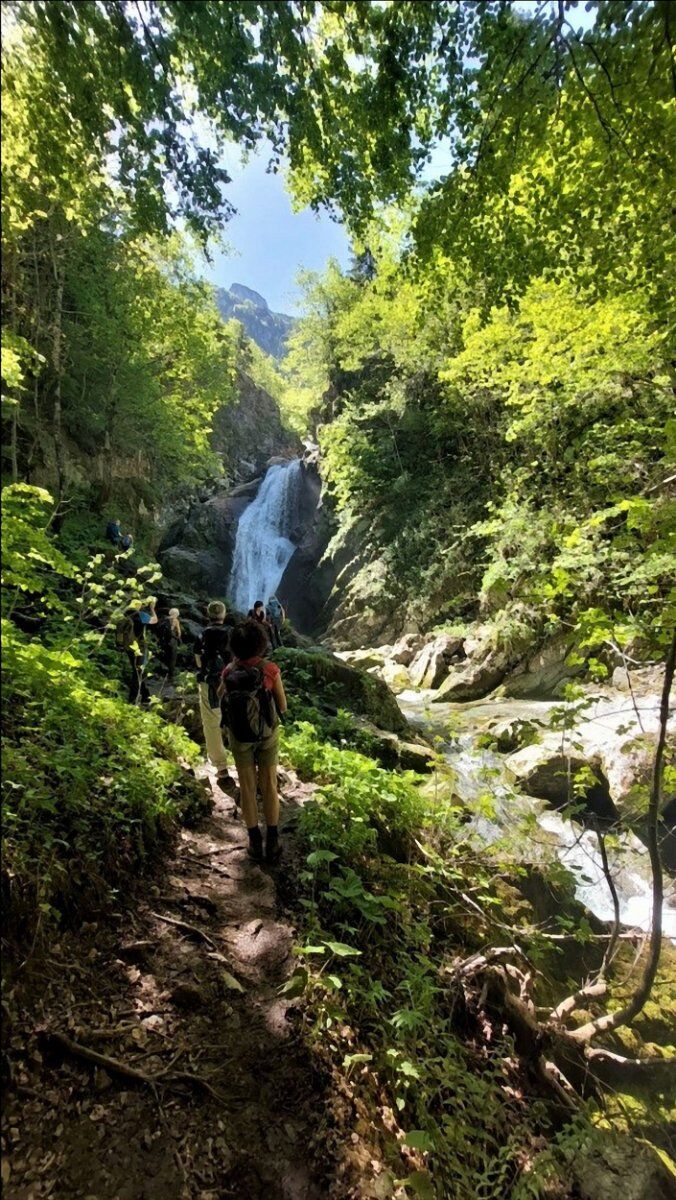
pixel 255 849
pixel 273 849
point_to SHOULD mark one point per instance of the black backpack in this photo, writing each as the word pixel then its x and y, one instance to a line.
pixel 125 633
pixel 249 709
pixel 214 662
pixel 164 632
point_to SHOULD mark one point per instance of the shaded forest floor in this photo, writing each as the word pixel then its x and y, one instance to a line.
pixel 235 1104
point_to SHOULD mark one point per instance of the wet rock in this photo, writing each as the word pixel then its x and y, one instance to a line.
pixel 546 772
pixel 431 664
pixel 513 733
pixel 472 681
pixel 396 753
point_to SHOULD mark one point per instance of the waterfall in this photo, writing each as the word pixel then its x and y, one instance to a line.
pixel 262 546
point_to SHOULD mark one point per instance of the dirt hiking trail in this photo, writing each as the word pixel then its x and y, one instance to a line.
pixel 183 987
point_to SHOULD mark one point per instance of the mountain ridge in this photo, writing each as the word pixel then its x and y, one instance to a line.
pixel 269 330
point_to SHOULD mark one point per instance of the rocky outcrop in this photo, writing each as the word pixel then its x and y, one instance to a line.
pixel 363 607
pixel 361 693
pixel 307 581
pixel 247 433
pixel 562 779
pixel 196 551
pixel 545 671
pixel 431 665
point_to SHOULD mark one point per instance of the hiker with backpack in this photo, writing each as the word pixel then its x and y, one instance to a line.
pixel 130 636
pixel 212 655
pixel 276 617
pixel 114 532
pixel 253 699
pixel 169 636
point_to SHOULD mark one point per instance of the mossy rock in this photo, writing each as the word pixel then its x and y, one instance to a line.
pixel 328 678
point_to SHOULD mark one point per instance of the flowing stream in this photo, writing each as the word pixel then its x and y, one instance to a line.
pixel 263 543
pixel 481 781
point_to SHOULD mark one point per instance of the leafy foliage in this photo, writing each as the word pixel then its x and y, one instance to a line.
pixel 92 787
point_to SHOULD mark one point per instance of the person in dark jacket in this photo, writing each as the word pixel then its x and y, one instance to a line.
pixel 258 613
pixel 114 532
pixel 212 654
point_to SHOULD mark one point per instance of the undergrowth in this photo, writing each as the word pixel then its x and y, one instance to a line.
pixel 393 897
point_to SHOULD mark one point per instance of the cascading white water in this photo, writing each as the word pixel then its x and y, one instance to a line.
pixel 481 782
pixel 263 546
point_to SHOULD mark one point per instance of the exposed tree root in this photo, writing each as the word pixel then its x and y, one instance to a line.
pixel 191 930
pixel 116 1066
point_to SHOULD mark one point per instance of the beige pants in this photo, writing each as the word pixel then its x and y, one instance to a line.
pixel 211 724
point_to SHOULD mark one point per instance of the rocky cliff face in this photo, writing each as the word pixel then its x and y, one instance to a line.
pixel 248 433
pixel 267 329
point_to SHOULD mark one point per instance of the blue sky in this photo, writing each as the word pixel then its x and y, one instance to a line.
pixel 267 242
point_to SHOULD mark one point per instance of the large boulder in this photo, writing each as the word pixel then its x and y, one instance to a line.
pixel 406 649
pixel 473 680
pixel 345 686
pixel 431 664
pixel 546 671
pixel 395 675
pixel 545 771
pixel 190 568
pixel 307 581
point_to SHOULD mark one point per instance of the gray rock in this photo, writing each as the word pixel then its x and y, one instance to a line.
pixel 620 679
pixel 547 773
pixel 621 1166
pixel 431 664
pixel 405 650
pixel 545 672
pixel 472 681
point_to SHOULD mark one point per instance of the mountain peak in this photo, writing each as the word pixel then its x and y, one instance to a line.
pixel 245 293
pixel 267 329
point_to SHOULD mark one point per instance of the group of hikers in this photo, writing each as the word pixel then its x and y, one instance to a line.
pixel 118 539
pixel 240 692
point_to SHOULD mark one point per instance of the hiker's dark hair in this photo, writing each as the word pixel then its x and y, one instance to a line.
pixel 248 640
pixel 258 604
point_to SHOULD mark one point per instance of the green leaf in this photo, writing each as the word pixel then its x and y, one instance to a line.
pixel 418 1139
pixel 342 950
pixel 420 1183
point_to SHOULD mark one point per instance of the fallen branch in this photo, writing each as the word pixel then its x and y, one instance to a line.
pixel 184 927
pixel 616 1069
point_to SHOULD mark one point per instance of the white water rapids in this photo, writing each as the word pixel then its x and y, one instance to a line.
pixel 498 811
pixel 263 546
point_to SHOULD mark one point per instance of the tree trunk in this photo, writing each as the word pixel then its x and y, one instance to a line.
pixel 57 365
